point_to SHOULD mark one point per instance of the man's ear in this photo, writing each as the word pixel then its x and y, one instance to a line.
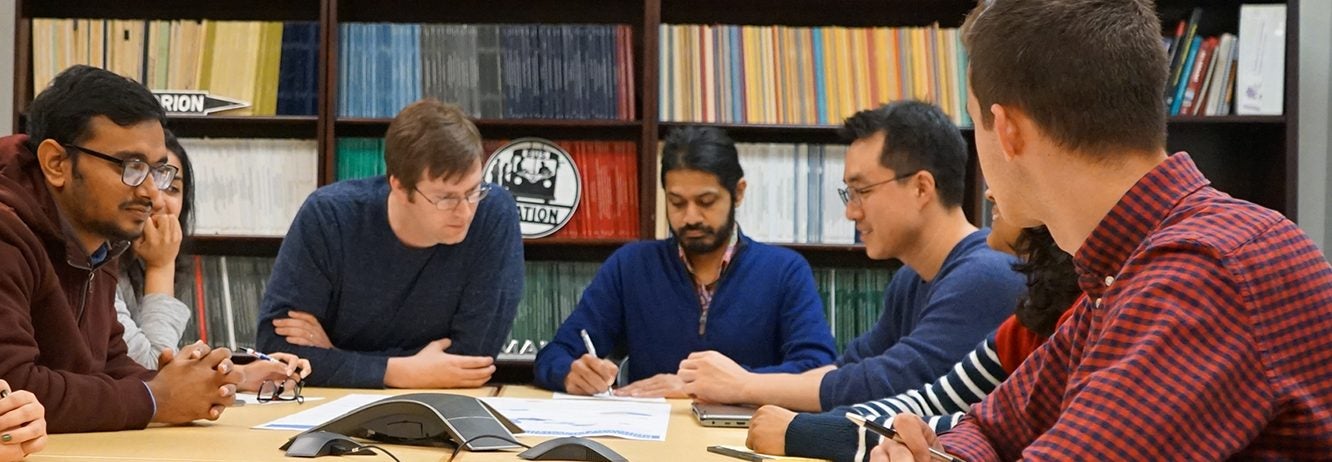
pixel 739 193
pixel 925 187
pixel 56 163
pixel 1010 127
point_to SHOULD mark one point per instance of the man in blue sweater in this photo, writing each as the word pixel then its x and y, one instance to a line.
pixel 709 291
pixel 905 177
pixel 406 281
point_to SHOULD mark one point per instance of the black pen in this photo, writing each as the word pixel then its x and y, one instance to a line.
pixel 889 433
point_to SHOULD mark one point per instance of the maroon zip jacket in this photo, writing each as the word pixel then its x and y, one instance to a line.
pixel 59 337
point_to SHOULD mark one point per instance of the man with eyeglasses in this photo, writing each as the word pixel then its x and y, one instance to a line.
pixel 73 193
pixel 905 177
pixel 409 280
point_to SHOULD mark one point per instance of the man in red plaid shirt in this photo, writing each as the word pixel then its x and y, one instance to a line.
pixel 1207 334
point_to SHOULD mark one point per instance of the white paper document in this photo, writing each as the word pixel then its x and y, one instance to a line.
pixel 318 415
pixel 586 417
pixel 607 396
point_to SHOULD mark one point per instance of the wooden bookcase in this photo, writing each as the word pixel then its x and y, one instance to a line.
pixel 1251 157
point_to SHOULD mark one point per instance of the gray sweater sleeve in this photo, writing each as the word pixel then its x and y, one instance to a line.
pixel 155 322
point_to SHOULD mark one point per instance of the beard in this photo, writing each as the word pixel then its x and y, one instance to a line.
pixel 712 238
pixel 107 228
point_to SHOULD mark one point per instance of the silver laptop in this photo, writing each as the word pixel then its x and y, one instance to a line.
pixel 722 415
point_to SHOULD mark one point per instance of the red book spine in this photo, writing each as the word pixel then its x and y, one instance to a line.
pixel 199 299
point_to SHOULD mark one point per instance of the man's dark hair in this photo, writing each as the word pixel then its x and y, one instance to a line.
pixel 1090 73
pixel 706 149
pixel 1052 284
pixel 917 136
pixel 61 112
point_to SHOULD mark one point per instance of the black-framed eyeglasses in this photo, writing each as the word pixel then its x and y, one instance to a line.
pixel 134 171
pixel 850 194
pixel 281 390
pixel 452 202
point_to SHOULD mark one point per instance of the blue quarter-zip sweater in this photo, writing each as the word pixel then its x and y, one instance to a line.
pixel 766 314
pixel 927 326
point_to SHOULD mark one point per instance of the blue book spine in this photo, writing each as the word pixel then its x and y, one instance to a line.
pixel 1184 79
pixel 820 89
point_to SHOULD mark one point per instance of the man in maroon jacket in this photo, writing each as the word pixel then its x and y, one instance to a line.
pixel 71 197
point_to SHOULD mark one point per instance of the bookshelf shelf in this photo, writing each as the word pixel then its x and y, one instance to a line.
pixel 840 255
pixel 571 249
pixel 250 246
pixel 511 128
pixel 1227 120
pixel 305 127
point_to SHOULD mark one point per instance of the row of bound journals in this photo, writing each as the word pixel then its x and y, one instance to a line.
pixel 709 73
pixel 533 71
pixel 806 75
pixel 271 65
pixel 224 295
pixel 791 196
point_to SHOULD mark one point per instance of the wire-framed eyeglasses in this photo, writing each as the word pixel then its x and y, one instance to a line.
pixel 134 171
pixel 281 390
pixel 452 202
pixel 851 195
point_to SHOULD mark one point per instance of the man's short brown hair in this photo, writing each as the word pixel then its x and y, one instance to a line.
pixel 1091 73
pixel 433 138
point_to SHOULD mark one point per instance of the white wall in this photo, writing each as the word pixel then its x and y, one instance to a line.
pixel 1314 208
pixel 6 66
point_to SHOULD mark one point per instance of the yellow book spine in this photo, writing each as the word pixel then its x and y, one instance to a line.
pixel 207 52
pixel 271 68
pixel 810 91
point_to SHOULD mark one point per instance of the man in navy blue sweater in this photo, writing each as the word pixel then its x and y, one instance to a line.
pixel 406 281
pixel 708 291
pixel 905 176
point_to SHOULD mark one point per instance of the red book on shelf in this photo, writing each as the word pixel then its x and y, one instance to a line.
pixel 1197 75
pixel 199 299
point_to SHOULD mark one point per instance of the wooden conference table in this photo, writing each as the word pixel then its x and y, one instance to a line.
pixel 231 438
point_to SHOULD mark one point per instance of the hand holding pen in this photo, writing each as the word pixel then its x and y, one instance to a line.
pixel 275 367
pixel 892 439
pixel 589 374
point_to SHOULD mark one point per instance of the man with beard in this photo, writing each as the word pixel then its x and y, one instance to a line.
pixel 709 290
pixel 73 193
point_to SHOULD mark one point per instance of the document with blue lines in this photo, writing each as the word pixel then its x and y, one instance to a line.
pixel 569 417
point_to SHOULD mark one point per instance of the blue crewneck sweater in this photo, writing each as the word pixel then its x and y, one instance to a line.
pixel 927 326
pixel 766 314
pixel 377 298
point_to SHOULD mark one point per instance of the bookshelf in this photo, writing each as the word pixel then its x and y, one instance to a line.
pixel 1251 157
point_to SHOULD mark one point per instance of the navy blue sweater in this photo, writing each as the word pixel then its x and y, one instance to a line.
pixel 766 314
pixel 926 327
pixel 378 298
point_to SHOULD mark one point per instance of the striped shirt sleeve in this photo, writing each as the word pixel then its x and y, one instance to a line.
pixel 944 401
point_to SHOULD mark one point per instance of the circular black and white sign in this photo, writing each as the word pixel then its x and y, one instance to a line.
pixel 543 180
